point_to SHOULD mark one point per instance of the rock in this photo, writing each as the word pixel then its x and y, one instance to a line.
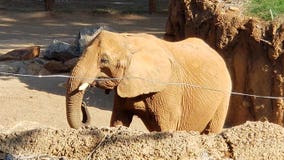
pixel 11 66
pixel 44 71
pixel 56 67
pixel 33 66
pixel 63 51
pixel 60 51
pixel 21 54
pixel 8 68
pixel 60 67
pixel 38 66
pixel 85 36
pixel 70 64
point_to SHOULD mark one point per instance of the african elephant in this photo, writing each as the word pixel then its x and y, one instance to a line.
pixel 169 85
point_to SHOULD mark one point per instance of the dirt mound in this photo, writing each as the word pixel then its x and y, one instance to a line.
pixel 253 140
pixel 256 140
pixel 41 142
pixel 253 50
pixel 125 144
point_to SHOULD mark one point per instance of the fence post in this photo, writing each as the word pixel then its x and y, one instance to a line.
pixel 152 6
pixel 48 4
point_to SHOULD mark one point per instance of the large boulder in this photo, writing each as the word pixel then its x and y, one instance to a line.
pixel 59 56
pixel 61 67
pixel 63 51
pixel 60 51
pixel 63 56
pixel 85 36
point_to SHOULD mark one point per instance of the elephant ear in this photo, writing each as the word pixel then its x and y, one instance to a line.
pixel 148 72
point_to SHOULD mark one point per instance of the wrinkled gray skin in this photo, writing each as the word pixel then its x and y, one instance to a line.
pixel 143 65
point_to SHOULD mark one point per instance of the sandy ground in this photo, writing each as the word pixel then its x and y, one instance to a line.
pixel 42 99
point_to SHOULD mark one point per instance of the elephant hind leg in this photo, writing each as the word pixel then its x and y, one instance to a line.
pixel 217 122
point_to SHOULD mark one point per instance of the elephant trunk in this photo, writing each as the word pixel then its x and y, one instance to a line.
pixel 76 110
pixel 82 75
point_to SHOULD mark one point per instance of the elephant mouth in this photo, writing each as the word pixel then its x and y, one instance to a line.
pixel 106 83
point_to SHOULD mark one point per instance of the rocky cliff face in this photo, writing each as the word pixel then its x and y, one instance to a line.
pixel 251 48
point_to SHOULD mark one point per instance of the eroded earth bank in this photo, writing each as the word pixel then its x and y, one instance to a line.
pixel 253 50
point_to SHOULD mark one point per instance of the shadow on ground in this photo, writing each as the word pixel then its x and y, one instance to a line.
pixel 24 23
pixel 94 97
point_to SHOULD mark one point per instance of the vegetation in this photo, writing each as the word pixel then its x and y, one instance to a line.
pixel 266 9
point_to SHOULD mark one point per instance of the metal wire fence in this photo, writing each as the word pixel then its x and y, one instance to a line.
pixel 5 74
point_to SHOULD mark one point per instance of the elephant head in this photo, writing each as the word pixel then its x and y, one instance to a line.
pixel 123 62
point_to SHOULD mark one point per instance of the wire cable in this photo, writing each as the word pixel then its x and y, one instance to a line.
pixel 151 81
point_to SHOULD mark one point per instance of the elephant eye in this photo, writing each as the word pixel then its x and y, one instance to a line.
pixel 104 60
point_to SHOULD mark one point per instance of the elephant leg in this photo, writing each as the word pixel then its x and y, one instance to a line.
pixel 120 116
pixel 169 122
pixel 217 122
pixel 161 120
pixel 150 121
pixel 163 112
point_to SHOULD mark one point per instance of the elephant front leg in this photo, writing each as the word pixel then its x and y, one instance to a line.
pixel 121 118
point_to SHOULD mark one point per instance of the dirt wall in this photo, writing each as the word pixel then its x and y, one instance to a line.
pixel 251 48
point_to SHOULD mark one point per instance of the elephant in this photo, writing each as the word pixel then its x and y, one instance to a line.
pixel 170 86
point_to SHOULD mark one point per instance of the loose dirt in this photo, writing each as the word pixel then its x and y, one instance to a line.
pixel 252 140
